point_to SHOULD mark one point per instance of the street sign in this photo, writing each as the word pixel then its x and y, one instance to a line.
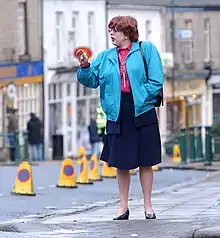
pixel 68 170
pixel 167 60
pixel 183 34
pixel 11 90
pixel 23 175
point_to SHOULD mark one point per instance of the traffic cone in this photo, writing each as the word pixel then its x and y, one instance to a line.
pixel 176 154
pixel 24 181
pixel 133 172
pixel 156 168
pixel 83 177
pixel 108 172
pixel 67 177
pixel 94 169
pixel 81 153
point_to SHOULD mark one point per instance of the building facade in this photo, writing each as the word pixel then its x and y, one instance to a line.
pixel 21 66
pixel 67 26
pixel 190 95
pixel 71 24
pixel 68 104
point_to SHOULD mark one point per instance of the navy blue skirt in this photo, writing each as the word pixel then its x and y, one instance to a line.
pixel 132 142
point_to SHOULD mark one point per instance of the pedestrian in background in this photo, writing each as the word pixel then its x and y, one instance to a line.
pixel 12 129
pixel 128 98
pixel 94 137
pixel 35 137
pixel 101 123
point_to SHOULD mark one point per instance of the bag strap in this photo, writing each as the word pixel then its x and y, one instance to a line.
pixel 144 60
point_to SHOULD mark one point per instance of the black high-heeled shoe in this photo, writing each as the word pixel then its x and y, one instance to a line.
pixel 124 216
pixel 150 215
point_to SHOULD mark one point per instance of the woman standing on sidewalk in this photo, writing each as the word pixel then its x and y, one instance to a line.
pixel 128 98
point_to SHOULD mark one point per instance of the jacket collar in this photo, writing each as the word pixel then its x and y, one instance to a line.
pixel 113 54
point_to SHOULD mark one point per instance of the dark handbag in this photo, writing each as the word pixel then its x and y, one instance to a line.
pixel 159 97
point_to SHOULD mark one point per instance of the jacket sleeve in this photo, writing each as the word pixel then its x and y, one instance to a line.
pixel 155 71
pixel 89 76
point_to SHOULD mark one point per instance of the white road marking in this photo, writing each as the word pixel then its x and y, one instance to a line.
pixel 50 207
pixel 40 188
pixel 57 232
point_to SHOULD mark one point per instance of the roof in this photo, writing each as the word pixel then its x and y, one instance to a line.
pixel 177 3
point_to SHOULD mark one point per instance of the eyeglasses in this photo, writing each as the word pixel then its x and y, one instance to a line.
pixel 112 30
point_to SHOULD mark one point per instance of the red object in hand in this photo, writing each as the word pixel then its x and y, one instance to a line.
pixel 80 50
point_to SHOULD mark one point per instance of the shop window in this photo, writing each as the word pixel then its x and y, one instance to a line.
pixel 50 91
pixel 93 106
pixel 25 91
pixel 87 91
pixel 54 92
pixel 68 89
pixel 28 101
pixel 55 113
pixel 174 116
pixel 81 112
pixel 216 108
pixel 34 89
pixel 69 141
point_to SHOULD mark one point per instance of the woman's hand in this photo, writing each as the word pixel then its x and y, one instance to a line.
pixel 82 57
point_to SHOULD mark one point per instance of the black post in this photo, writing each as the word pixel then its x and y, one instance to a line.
pixel 42 59
pixel 172 27
pixel 106 20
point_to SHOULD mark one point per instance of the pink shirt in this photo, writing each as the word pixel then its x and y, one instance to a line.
pixel 122 55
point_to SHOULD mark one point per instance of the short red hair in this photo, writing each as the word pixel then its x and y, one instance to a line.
pixel 127 24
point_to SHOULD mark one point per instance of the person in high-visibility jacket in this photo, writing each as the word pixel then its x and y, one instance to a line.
pixel 101 122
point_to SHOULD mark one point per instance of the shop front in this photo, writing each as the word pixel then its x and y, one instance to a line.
pixel 214 83
pixel 20 89
pixel 190 104
pixel 60 116
pixel 69 108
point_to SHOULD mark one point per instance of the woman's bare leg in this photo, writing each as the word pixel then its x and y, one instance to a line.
pixel 146 179
pixel 123 179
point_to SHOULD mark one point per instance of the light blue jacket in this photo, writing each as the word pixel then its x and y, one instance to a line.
pixel 104 72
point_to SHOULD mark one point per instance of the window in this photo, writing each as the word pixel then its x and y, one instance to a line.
pixel 91 30
pixel 22 28
pixel 72 33
pixel 188 43
pixel 148 30
pixel 216 108
pixel 68 89
pixel 28 100
pixel 207 40
pixel 59 23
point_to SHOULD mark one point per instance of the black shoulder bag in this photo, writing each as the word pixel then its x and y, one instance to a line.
pixel 159 97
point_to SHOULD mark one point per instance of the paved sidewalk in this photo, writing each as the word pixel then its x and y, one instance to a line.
pixel 198 200
pixel 169 164
pixel 187 211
